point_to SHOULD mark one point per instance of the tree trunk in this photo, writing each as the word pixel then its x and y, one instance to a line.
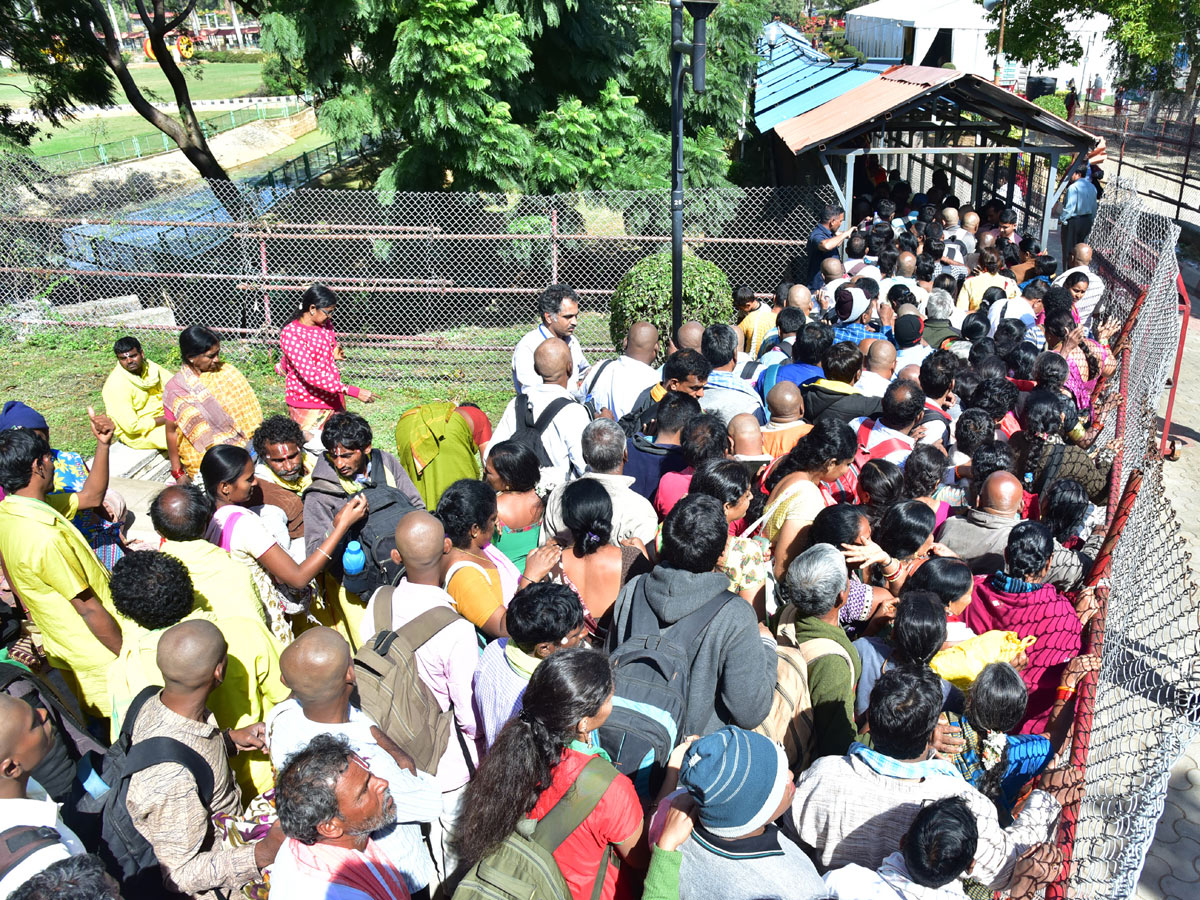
pixel 187 134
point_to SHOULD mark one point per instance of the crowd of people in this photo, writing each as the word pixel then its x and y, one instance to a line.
pixel 791 607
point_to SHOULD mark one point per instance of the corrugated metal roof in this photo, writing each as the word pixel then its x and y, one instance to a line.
pixel 895 87
pixel 899 87
pixel 793 79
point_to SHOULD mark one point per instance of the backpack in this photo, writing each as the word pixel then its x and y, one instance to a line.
pixel 128 855
pixel 57 771
pixel 386 506
pixel 529 432
pixel 651 670
pixel 790 721
pixel 522 867
pixel 768 379
pixel 845 489
pixel 20 842
pixel 392 693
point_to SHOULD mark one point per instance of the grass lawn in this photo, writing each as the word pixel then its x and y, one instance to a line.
pixel 207 81
pixel 59 373
pixel 83 133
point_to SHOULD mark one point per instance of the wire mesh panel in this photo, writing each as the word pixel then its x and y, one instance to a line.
pixel 1146 699
pixel 432 286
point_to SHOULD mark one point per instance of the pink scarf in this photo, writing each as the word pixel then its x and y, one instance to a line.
pixel 369 871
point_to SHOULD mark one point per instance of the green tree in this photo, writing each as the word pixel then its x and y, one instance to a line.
pixel 71 53
pixel 512 94
pixel 1147 35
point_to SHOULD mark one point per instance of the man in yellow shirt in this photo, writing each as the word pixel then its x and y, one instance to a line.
pixel 153 590
pixel 755 319
pixel 133 397
pixel 51 567
pixel 220 584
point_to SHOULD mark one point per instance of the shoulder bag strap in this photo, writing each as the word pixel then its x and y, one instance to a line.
pixel 816 648
pixel 576 804
pixel 20 842
pixel 463 564
pixel 155 750
pixel 421 629
pixel 383 608
pixel 548 414
pixel 591 378
pixel 135 707
pixel 689 629
pixel 770 511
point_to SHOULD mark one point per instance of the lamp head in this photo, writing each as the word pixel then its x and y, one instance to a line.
pixel 700 9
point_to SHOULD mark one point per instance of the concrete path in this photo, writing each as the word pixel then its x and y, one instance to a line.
pixel 1172 870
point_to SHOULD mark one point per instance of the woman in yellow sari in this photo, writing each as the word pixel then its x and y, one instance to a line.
pixel 208 402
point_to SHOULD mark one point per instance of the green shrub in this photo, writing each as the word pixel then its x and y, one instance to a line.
pixel 229 56
pixel 1055 103
pixel 644 294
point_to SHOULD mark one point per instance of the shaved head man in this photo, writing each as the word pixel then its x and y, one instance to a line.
pixel 785 402
pixel 970 222
pixel 616 384
pixel 163 798
pixel 552 361
pixel 641 343
pixel 1081 261
pixel 26 736
pixel 1081 255
pixel 191 656
pixel 981 535
pixel 746 435
pixel 318 668
pixel 800 297
pixel 420 543
pixel 688 336
pixel 879 364
pixel 906 266
pixel 909 373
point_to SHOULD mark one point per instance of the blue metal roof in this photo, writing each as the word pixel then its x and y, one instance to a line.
pixel 793 78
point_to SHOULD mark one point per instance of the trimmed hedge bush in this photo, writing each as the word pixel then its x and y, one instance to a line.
pixel 644 294
pixel 230 56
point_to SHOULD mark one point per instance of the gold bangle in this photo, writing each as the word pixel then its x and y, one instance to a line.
pixel 321 550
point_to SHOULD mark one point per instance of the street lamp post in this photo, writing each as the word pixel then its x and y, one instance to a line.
pixel 696 51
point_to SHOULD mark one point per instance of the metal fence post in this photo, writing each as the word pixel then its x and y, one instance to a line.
pixel 137 150
pixel 1187 161
pixel 553 245
pixel 1124 132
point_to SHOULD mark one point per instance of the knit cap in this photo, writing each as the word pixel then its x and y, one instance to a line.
pixel 17 415
pixel 908 330
pixel 737 779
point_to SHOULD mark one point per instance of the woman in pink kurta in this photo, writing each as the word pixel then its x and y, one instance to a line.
pixel 313 387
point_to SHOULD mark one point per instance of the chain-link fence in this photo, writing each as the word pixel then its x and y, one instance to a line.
pixel 1142 713
pixel 1155 140
pixel 433 287
pixel 436 288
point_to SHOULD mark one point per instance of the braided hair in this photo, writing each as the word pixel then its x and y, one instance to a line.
pixel 995 706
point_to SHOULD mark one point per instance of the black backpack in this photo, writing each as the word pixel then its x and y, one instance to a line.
pixel 529 431
pixel 128 855
pixel 57 771
pixel 386 506
pixel 651 670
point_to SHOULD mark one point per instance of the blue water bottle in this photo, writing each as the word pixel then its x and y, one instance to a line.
pixel 353 559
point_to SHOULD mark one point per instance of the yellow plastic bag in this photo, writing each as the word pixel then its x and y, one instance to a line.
pixel 961 664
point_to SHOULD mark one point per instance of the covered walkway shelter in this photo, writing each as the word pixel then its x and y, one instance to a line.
pixel 822 119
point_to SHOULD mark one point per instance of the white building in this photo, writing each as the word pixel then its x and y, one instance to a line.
pixel 934 32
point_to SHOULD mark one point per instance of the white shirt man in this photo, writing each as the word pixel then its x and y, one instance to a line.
pixel 38 810
pixel 563 437
pixel 417 796
pixel 615 384
pixel 524 376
